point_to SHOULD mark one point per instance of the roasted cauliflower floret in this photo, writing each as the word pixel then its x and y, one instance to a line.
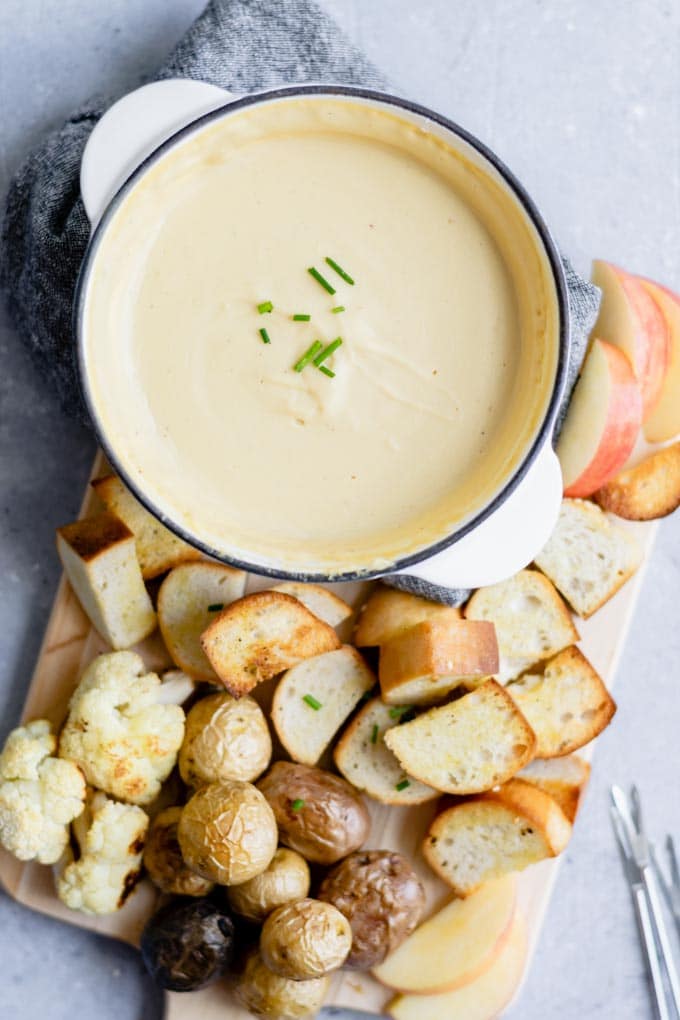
pixel 111 840
pixel 39 794
pixel 120 729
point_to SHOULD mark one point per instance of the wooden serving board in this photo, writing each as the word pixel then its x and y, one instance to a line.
pixel 69 645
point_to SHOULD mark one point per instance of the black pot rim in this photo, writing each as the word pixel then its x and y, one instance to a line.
pixel 544 433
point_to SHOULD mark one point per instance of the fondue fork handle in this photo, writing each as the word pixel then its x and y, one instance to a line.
pixel 133 127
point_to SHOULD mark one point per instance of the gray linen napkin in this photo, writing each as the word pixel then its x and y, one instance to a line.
pixel 241 45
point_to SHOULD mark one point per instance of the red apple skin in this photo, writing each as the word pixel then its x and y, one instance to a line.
pixel 664 421
pixel 622 424
pixel 649 351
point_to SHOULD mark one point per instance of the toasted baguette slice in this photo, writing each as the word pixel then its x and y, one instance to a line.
pixel 365 760
pixel 467 746
pixel 389 612
pixel 587 558
pixel 335 681
pixel 158 549
pixel 647 491
pixel 188 600
pixel 488 836
pixel 98 555
pixel 424 663
pixel 260 635
pixel 566 703
pixel 564 779
pixel 323 603
pixel 532 622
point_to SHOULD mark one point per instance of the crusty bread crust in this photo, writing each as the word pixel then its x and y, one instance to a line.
pixel 563 779
pixel 337 680
pixel 99 559
pixel 260 635
pixel 389 612
pixel 319 600
pixel 91 537
pixel 538 807
pixel 434 657
pixel 587 557
pixel 467 746
pixel 365 760
pixel 184 601
pixel 516 808
pixel 158 549
pixel 532 621
pixel 647 491
pixel 566 703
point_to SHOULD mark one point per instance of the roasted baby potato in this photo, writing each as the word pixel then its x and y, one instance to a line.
pixel 163 859
pixel 382 898
pixel 285 880
pixel 224 738
pixel 268 994
pixel 227 832
pixel 318 814
pixel 305 939
pixel 188 944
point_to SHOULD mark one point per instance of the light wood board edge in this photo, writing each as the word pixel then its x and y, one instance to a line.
pixel 70 643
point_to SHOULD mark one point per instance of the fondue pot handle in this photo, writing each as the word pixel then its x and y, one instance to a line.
pixel 508 539
pixel 133 127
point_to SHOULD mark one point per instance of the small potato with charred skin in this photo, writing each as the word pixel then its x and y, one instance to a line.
pixel 163 859
pixel 318 814
pixel 227 832
pixel 306 939
pixel 285 880
pixel 382 898
pixel 188 944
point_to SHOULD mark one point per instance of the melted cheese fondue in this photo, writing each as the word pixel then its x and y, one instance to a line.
pixel 449 335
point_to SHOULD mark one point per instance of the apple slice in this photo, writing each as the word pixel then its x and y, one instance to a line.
pixel 456 945
pixel 664 421
pixel 481 999
pixel 631 320
pixel 602 422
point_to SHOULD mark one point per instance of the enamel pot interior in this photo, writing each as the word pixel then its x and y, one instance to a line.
pixel 475 153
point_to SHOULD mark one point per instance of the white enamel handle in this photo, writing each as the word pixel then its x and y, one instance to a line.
pixel 133 127
pixel 508 539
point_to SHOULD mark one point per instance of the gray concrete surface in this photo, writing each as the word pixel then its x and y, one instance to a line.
pixel 582 99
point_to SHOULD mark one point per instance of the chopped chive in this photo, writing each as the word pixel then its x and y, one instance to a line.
pixel 297 804
pixel 301 317
pixel 402 785
pixel 265 307
pixel 215 607
pixel 312 702
pixel 320 279
pixel 339 270
pixel 374 734
pixel 399 710
pixel 309 354
pixel 338 308
pixel 266 339
pixel 327 371
pixel 327 351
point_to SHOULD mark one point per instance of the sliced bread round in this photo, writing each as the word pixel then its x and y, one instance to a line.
pixel 365 760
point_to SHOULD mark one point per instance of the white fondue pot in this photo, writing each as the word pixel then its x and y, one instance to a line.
pixel 506 533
